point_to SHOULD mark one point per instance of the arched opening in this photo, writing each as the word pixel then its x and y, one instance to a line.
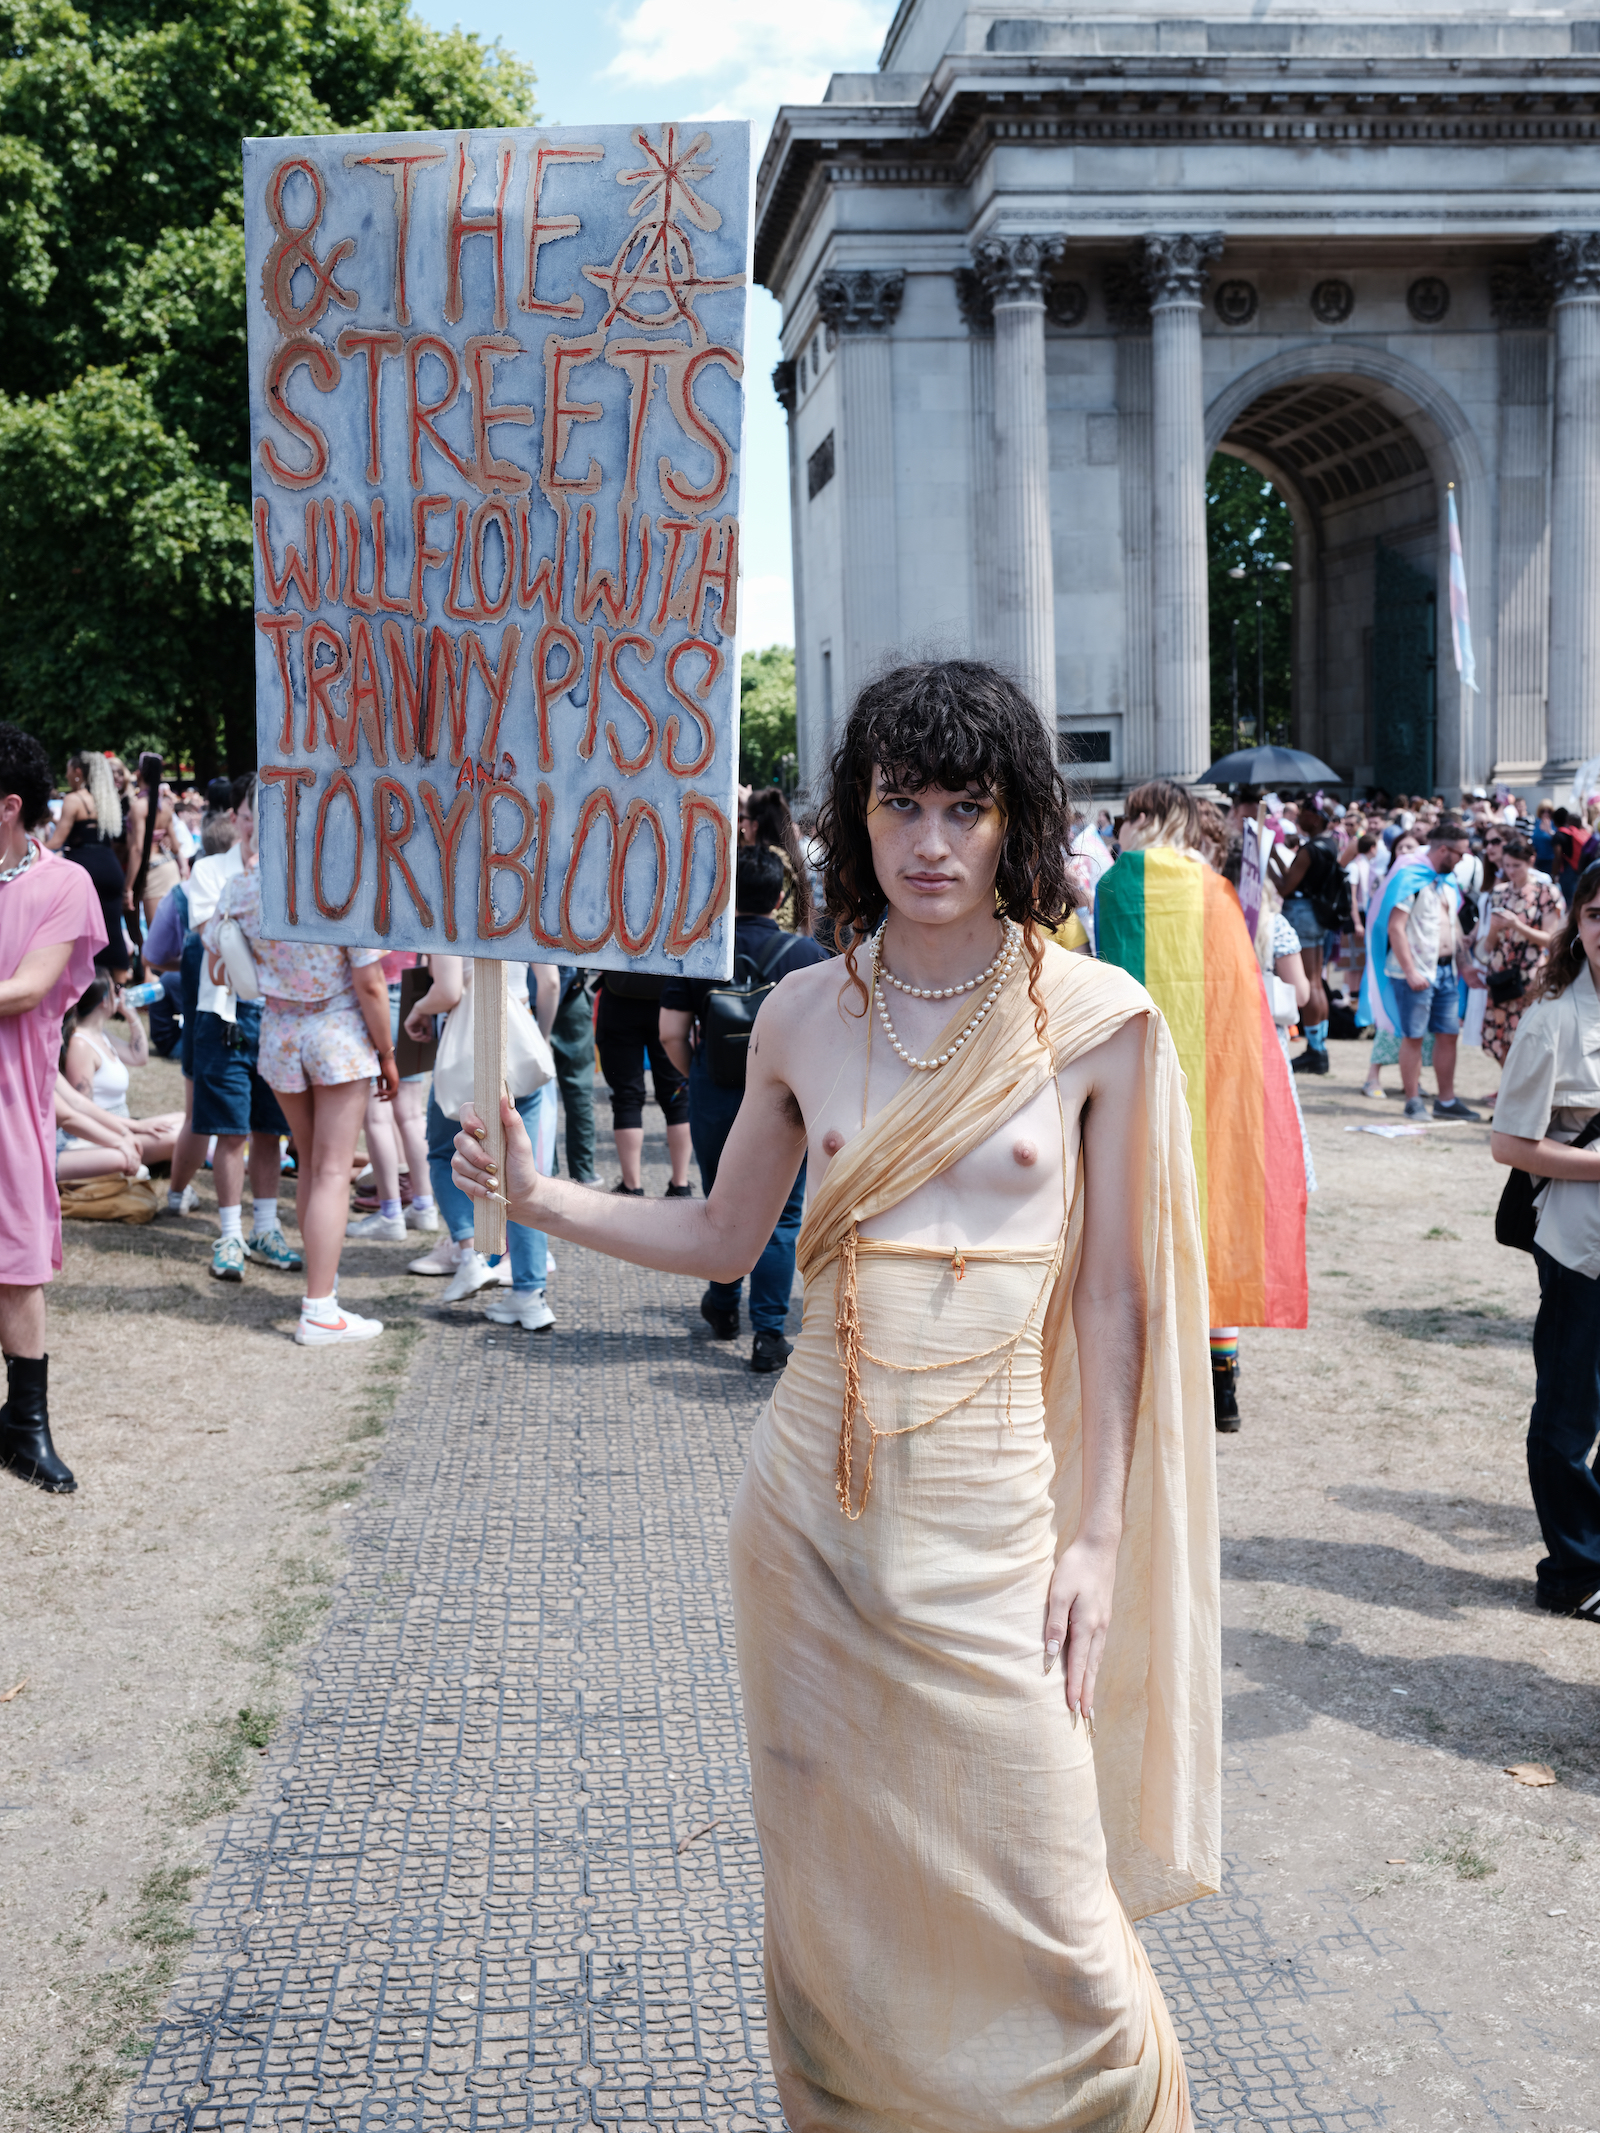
pixel 1353 463
pixel 1249 567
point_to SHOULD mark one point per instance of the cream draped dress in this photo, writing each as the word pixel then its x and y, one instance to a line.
pixel 951 1863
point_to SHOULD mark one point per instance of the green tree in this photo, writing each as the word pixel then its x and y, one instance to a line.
pixel 125 579
pixel 1248 526
pixel 767 717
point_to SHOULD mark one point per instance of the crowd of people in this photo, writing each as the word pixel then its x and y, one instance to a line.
pixel 1414 925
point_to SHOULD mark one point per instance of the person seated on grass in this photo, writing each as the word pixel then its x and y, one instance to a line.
pixel 97 1063
pixel 90 1143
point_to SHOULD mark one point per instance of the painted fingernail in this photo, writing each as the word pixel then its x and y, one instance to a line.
pixel 1051 1652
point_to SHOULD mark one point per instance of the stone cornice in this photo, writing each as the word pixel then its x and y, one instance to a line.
pixel 965 116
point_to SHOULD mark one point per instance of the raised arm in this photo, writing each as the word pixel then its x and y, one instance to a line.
pixel 717 1239
pixel 1109 1315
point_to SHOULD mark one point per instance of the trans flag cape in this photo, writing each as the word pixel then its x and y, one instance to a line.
pixel 1377 1008
pixel 1173 924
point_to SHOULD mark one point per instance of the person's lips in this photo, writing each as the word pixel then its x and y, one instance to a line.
pixel 930 881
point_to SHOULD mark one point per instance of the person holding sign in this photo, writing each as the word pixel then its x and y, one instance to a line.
pixel 975 1551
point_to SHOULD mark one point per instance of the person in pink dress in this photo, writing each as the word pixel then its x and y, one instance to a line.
pixel 50 929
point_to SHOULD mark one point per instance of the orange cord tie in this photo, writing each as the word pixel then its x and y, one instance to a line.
pixel 958 1264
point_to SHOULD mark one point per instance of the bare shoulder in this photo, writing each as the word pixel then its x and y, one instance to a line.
pixel 804 1005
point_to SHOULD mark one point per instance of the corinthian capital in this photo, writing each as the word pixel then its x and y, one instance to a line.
pixel 1013 269
pixel 1175 265
pixel 1569 263
pixel 860 300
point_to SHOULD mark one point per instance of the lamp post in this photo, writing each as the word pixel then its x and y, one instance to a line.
pixel 1258 569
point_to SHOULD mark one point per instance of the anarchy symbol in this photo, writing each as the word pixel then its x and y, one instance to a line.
pixel 294 250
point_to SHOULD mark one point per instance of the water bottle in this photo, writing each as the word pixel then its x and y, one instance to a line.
pixel 142 995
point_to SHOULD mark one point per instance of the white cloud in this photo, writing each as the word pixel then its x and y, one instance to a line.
pixel 750 55
pixel 766 612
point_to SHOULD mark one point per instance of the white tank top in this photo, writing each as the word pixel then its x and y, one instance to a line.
pixel 109 1088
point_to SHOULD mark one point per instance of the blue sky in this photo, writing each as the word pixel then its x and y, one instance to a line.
pixel 647 60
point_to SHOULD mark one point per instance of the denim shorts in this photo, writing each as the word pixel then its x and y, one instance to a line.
pixel 229 1095
pixel 1435 1012
pixel 1297 910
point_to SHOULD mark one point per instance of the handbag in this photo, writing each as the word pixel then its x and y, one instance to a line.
pixel 634 984
pixel 233 951
pixel 730 1012
pixel 1516 1219
pixel 529 1061
pixel 1504 986
pixel 410 1057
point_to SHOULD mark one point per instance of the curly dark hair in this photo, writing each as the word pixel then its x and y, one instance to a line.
pixel 25 770
pixel 955 724
pixel 1566 957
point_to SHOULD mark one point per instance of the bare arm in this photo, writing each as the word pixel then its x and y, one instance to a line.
pixel 1292 970
pixel 676 1023
pixel 34 977
pixel 1546 1158
pixel 547 996
pixel 72 810
pixel 372 998
pixel 1109 1314
pixel 716 1239
pixel 1287 879
pixel 134 1049
pixel 444 994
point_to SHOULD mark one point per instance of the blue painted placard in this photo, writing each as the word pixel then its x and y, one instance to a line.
pixel 496 414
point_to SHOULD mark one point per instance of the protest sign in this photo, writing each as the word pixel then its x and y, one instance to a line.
pixel 496 415
pixel 1251 868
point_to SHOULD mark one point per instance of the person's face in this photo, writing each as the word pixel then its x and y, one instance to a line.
pixel 747 826
pixel 1589 934
pixel 1516 871
pixel 936 853
pixel 244 822
pixel 1442 857
pixel 1406 848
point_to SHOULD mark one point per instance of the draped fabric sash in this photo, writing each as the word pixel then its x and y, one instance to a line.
pixel 1158 1702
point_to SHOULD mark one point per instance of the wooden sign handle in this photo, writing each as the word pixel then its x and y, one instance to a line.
pixel 488 1080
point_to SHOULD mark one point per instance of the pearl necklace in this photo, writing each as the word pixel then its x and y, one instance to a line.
pixel 1002 968
pixel 949 992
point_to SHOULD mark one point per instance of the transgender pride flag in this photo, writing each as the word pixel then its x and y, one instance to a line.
pixel 1460 620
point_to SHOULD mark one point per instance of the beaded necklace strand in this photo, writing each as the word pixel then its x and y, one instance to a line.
pixel 1001 967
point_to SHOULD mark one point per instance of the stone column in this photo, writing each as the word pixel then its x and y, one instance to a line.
pixel 859 306
pixel 1175 270
pixel 810 745
pixel 1013 271
pixel 1571 261
pixel 1519 300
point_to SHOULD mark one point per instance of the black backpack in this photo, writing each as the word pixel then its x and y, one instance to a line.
pixel 1327 890
pixel 730 1011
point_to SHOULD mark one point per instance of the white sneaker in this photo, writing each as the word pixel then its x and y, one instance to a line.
pixel 520 1307
pixel 443 1259
pixel 424 1218
pixel 549 1263
pixel 473 1272
pixel 378 1228
pixel 344 1325
pixel 186 1200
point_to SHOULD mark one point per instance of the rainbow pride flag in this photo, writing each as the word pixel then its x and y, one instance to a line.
pixel 1173 924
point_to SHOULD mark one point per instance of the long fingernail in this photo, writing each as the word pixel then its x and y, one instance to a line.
pixel 1051 1653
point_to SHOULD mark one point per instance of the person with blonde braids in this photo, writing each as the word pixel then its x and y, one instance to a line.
pixel 87 832
pixel 975 1550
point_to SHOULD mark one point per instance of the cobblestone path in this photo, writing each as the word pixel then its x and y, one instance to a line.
pixel 500 1870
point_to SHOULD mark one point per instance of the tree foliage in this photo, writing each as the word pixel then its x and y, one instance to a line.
pixel 1248 523
pixel 767 717
pixel 124 421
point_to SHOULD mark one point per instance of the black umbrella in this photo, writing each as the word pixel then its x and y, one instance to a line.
pixel 1271 766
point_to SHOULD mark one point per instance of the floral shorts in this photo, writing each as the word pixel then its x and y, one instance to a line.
pixel 314 1050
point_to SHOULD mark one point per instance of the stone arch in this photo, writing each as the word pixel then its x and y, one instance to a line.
pixel 1450 446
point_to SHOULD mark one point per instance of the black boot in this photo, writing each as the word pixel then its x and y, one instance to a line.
pixel 1225 1392
pixel 25 1445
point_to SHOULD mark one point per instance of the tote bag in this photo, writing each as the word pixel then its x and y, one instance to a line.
pixel 529 1062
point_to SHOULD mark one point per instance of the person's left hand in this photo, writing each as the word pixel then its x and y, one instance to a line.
pixel 1079 1615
